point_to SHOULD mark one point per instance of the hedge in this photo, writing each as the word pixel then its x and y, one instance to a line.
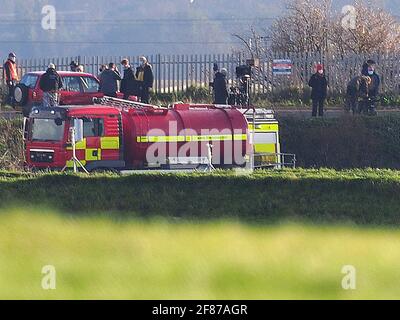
pixel 311 196
pixel 340 143
pixel 11 144
pixel 346 142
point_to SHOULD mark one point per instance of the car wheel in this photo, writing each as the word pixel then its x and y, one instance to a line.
pixel 21 94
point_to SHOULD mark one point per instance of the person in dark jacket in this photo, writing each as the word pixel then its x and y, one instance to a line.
pixel 102 68
pixel 73 66
pixel 128 83
pixel 368 70
pixel 319 85
pixel 145 79
pixel 357 89
pixel 109 81
pixel 50 83
pixel 11 76
pixel 220 87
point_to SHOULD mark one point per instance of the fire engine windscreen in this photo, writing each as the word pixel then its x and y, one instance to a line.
pixel 47 129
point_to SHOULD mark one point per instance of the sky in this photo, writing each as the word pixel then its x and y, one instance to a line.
pixel 51 28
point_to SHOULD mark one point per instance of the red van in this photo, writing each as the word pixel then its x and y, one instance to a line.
pixel 79 89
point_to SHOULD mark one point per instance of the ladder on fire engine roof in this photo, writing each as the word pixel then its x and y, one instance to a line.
pixel 119 103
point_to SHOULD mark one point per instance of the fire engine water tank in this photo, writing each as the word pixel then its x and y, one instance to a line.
pixel 185 134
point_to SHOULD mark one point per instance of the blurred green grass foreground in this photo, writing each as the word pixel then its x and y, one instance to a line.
pixel 101 258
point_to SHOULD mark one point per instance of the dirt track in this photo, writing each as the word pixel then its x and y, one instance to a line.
pixel 284 112
pixel 330 113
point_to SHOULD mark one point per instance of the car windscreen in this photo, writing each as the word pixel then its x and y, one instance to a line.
pixel 47 130
pixel 71 83
pixel 90 85
pixel 29 80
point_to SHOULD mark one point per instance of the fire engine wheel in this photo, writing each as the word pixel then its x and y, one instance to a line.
pixel 21 94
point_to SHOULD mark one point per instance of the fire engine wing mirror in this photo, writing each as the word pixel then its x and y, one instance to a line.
pixel 78 125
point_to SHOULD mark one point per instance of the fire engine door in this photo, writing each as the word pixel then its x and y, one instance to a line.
pixel 93 130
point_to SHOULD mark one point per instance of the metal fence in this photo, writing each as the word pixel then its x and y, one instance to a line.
pixel 174 73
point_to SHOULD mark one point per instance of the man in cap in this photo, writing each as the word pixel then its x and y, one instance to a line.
pixel 73 66
pixel 145 79
pixel 50 83
pixel 10 76
pixel 319 89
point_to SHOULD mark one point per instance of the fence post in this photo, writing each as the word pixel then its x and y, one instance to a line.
pixel 195 69
pixel 159 72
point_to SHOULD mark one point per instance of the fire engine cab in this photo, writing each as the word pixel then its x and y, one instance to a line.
pixel 115 134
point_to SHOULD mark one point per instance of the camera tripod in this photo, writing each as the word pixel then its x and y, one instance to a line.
pixel 76 162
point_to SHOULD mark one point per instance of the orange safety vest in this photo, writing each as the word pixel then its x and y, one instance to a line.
pixel 13 70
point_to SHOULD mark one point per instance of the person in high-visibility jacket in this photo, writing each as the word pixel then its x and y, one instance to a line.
pixel 10 76
pixel 144 79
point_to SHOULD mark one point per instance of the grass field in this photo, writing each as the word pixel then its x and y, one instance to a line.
pixel 99 258
pixel 269 235
pixel 367 197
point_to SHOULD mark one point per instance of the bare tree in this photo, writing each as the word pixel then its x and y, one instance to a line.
pixel 312 26
pixel 253 42
pixel 374 31
pixel 304 28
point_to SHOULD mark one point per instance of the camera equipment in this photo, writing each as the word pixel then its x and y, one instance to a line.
pixel 215 67
pixel 76 135
pixel 240 94
pixel 238 97
pixel 243 70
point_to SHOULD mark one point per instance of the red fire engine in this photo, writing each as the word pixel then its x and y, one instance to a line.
pixel 121 135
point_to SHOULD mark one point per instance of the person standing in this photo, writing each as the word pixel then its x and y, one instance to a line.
pixel 50 83
pixel 368 70
pixel 220 87
pixel 319 86
pixel 128 83
pixel 11 76
pixel 145 79
pixel 102 68
pixel 73 66
pixel 109 81
pixel 357 88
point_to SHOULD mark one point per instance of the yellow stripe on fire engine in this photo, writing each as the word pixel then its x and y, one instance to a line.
pixel 81 145
pixel 109 143
pixel 197 138
pixel 106 143
pixel 89 154
pixel 269 127
pixel 151 139
pixel 265 148
pixel 70 164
